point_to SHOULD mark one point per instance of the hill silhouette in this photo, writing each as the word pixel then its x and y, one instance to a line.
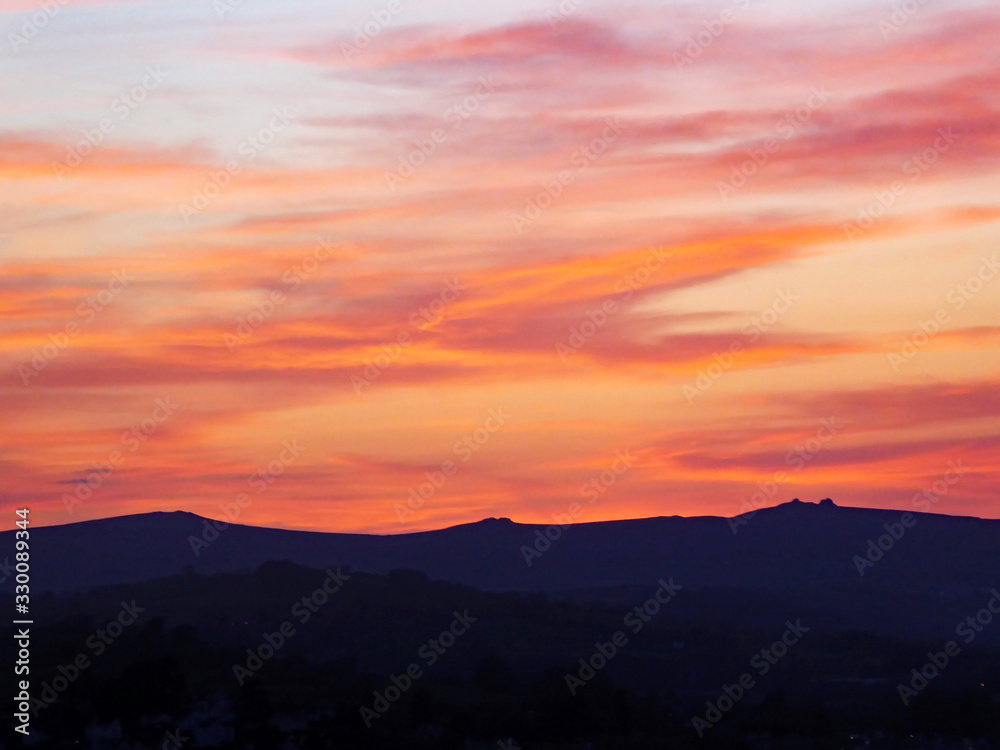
pixel 871 594
pixel 790 545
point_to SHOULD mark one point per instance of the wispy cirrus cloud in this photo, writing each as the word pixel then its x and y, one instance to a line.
pixel 684 129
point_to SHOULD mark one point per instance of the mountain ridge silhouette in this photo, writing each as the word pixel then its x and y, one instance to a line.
pixel 795 545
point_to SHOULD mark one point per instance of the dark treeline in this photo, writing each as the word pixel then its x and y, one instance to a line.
pixel 259 659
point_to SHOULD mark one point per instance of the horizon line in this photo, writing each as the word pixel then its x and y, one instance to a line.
pixel 500 519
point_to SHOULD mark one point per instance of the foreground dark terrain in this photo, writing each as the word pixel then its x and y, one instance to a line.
pixel 668 633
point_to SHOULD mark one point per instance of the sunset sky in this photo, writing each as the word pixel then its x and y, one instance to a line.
pixel 355 241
